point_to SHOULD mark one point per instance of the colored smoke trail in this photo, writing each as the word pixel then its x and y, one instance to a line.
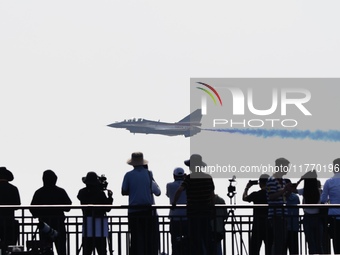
pixel 318 135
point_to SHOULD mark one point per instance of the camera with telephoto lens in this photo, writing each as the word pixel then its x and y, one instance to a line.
pixel 103 182
pixel 47 230
pixel 253 182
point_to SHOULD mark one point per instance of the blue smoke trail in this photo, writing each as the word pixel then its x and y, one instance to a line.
pixel 319 135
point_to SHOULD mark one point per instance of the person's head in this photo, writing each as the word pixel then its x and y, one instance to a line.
pixel 195 163
pixel 291 186
pixel 49 178
pixel 281 166
pixel 91 179
pixel 5 174
pixel 311 190
pixel 179 173
pixel 310 175
pixel 137 159
pixel 336 165
pixel 263 180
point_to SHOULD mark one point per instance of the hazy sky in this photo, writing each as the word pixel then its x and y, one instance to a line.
pixel 69 68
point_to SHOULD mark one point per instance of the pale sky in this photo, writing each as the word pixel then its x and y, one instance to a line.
pixel 69 68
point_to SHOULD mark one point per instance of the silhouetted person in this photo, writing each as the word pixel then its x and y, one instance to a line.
pixel 9 195
pixel 292 240
pixel 217 224
pixel 178 217
pixel 140 186
pixel 326 240
pixel 260 230
pixel 276 190
pixel 200 201
pixel 95 225
pixel 312 222
pixel 50 194
pixel 331 193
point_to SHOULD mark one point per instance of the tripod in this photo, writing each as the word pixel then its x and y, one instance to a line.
pixel 44 247
pixel 235 228
pixel 109 241
pixel 96 240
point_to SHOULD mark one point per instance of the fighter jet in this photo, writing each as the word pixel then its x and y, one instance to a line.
pixel 188 126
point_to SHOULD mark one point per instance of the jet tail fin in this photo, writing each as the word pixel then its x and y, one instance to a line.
pixel 194 117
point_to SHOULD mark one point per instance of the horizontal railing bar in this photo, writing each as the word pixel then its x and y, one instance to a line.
pixel 162 206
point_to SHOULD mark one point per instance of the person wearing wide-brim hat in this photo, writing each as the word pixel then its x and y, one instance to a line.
pixel 9 195
pixel 199 188
pixel 95 220
pixel 138 185
pixel 5 174
pixel 195 163
pixel 91 178
pixel 137 159
pixel 131 184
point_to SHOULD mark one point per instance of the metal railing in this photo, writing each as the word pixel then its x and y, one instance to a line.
pixel 238 225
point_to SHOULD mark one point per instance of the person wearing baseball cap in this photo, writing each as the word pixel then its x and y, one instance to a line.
pixel 178 220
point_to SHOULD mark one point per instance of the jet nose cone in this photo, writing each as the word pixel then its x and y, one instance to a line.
pixel 112 125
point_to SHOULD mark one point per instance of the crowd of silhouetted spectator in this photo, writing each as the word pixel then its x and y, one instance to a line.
pixel 197 228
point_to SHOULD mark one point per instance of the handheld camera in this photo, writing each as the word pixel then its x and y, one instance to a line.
pixel 103 182
pixel 255 182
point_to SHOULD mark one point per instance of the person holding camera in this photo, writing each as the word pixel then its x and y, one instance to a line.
pixel 95 223
pixel 277 188
pixel 178 219
pixel 292 240
pixel 51 220
pixel 260 228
